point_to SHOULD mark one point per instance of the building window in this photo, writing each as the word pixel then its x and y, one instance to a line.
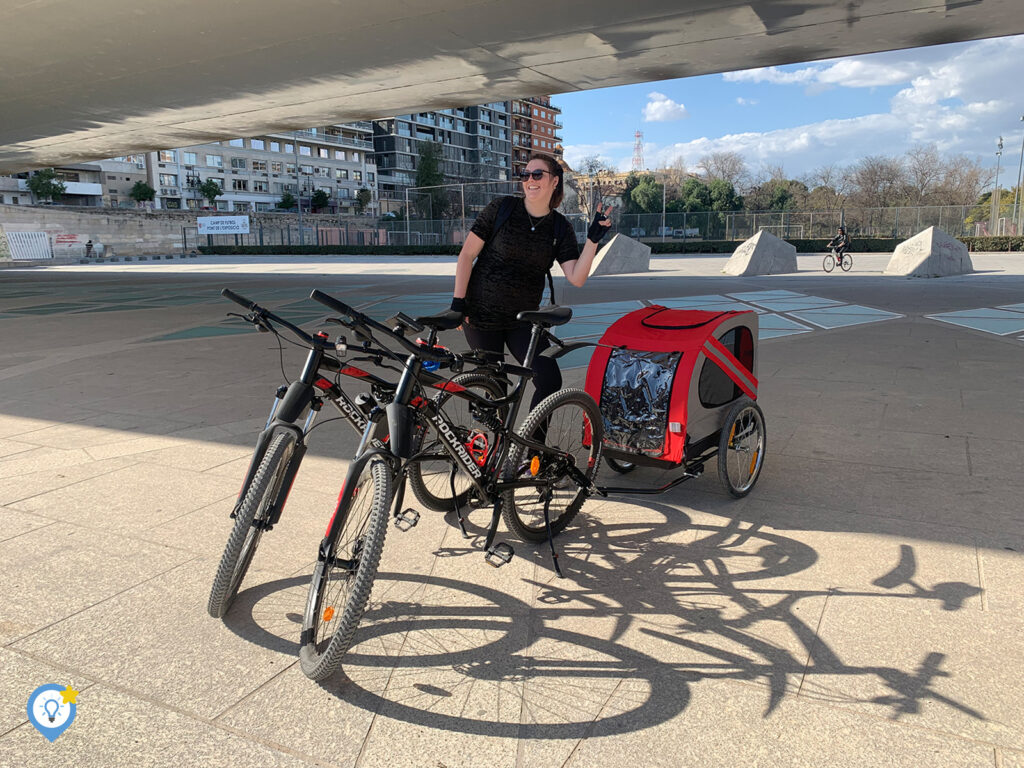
pixel 289 168
pixel 260 186
pixel 357 175
pixel 259 165
pixel 215 161
pixel 343 192
pixel 218 181
pixel 241 205
pixel 240 185
pixel 167 156
pixel 306 169
pixel 304 150
pixel 355 157
pixel 257 143
pixel 168 180
pixel 238 162
pixel 220 205
pixel 189 158
pixel 111 178
pixel 339 154
pixel 260 207
pixel 324 153
pixel 323 172
pixel 370 177
pixel 341 173
pixel 192 203
pixel 236 143
pixel 275 167
pixel 275 146
pixel 288 149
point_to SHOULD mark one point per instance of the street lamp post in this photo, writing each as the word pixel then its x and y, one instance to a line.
pixel 298 184
pixel 994 220
pixel 1018 195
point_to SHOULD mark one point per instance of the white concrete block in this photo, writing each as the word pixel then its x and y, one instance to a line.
pixel 621 255
pixel 931 253
pixel 763 254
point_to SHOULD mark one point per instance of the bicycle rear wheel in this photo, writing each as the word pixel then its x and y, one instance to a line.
pixel 828 263
pixel 431 480
pixel 571 422
pixel 251 514
pixel 341 583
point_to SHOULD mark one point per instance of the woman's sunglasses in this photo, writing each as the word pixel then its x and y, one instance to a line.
pixel 536 175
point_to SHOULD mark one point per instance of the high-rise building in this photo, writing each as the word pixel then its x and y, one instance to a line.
pixel 475 144
pixel 535 127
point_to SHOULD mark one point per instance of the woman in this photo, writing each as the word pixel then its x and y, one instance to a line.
pixel 509 274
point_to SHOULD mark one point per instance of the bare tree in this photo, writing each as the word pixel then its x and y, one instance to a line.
pixel 924 168
pixel 830 186
pixel 727 166
pixel 962 181
pixel 675 175
pixel 593 183
pixel 879 181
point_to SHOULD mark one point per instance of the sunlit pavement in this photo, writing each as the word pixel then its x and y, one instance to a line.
pixel 861 607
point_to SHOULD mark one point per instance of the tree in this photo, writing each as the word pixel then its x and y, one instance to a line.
pixel 674 176
pixel 924 169
pixel 694 196
pixel 44 185
pixel 594 182
pixel 363 198
pixel 647 195
pixel 287 201
pixel 723 196
pixel 829 185
pixel 728 166
pixel 962 181
pixel 433 202
pixel 141 193
pixel 210 190
pixel 879 181
pixel 319 200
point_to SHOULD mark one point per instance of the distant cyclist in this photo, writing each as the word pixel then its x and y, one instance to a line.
pixel 841 242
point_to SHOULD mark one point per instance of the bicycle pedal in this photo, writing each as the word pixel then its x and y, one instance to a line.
pixel 407 519
pixel 500 554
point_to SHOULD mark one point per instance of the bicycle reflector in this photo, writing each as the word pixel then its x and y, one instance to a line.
pixel 535 465
pixel 329 613
pixel 477 447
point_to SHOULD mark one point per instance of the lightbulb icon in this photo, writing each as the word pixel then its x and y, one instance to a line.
pixel 51 707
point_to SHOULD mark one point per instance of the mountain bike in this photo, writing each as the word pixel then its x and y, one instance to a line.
pixel 536 478
pixel 844 260
pixel 282 444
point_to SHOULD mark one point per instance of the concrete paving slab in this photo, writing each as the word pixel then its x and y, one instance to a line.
pixel 949 675
pixel 997 321
pixel 19 487
pixel 1001 568
pixel 844 315
pixel 91 566
pixel 22 675
pixel 17 523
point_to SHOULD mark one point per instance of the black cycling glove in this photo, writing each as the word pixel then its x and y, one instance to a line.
pixel 458 305
pixel 597 231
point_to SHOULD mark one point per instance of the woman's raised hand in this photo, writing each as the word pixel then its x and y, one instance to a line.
pixel 600 225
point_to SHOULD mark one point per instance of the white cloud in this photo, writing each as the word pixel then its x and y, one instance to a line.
pixel 771 75
pixel 661 109
pixel 745 102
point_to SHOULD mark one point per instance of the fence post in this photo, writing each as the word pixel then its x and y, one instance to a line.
pixel 261 234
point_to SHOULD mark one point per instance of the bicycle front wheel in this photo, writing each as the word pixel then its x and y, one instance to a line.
pixel 829 263
pixel 341 582
pixel 431 480
pixel 567 421
pixel 250 517
pixel 847 262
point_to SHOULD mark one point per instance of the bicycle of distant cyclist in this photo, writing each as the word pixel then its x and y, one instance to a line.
pixel 536 478
pixel 281 445
pixel 837 257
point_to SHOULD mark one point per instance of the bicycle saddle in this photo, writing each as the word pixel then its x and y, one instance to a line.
pixel 548 317
pixel 442 321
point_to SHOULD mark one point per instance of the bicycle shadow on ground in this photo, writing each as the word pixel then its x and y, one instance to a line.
pixel 614 646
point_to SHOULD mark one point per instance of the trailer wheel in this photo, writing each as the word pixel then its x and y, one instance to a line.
pixel 622 467
pixel 741 447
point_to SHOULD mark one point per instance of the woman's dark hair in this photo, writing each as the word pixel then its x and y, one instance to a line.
pixel 558 172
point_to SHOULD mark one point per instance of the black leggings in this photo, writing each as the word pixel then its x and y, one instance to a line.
pixel 547 378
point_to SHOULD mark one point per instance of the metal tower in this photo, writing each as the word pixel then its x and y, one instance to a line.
pixel 638 150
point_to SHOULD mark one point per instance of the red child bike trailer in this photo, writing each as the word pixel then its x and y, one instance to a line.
pixel 678 387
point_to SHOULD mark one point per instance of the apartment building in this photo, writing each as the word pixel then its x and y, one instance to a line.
pixel 476 145
pixel 535 127
pixel 254 173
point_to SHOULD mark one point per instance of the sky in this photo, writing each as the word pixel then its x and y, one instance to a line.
pixel 960 97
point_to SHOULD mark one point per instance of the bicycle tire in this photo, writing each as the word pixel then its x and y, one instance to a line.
pixel 828 263
pixel 365 523
pixel 743 435
pixel 523 509
pixel 245 536
pixel 430 481
pixel 847 263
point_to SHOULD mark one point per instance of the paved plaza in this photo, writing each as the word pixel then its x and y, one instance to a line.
pixel 859 608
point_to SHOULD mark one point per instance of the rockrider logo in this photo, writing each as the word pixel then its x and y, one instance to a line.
pixel 352 413
pixel 460 450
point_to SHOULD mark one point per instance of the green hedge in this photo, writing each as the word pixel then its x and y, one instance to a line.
pixel 817 245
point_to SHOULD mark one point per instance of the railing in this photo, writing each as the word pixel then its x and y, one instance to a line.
pixel 333 139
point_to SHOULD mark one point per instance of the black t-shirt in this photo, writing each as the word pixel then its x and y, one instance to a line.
pixel 509 274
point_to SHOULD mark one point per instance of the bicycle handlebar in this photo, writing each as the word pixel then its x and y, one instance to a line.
pixel 359 319
pixel 266 314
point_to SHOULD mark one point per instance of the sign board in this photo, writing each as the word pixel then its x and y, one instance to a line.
pixel 223 225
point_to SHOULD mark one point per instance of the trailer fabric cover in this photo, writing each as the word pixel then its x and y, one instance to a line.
pixel 640 377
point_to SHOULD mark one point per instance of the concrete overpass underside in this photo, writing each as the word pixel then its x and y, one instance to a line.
pixel 100 79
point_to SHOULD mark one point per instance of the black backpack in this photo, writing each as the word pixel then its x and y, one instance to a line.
pixel 562 230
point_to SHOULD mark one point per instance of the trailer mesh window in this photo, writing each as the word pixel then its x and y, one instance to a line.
pixel 635 399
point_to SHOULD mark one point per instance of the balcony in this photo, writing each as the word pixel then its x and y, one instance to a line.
pixel 344 141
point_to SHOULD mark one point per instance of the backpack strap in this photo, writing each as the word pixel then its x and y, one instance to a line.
pixel 562 230
pixel 505 208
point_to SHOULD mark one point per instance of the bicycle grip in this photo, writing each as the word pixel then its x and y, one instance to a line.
pixel 227 293
pixel 333 303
